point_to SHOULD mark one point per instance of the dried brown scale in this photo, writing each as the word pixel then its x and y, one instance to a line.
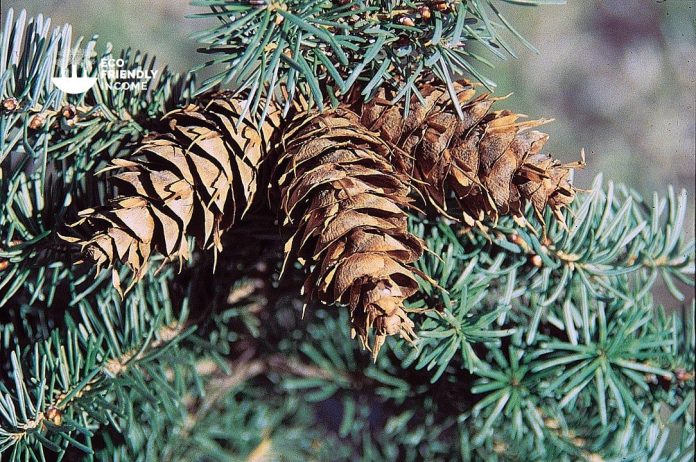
pixel 490 160
pixel 196 180
pixel 336 185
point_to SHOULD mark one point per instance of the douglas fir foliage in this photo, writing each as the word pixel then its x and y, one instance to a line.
pixel 336 159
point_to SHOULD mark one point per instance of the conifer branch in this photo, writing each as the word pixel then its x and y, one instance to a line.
pixel 51 144
pixel 319 51
pixel 539 337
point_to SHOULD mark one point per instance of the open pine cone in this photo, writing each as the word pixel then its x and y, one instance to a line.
pixel 336 185
pixel 491 161
pixel 196 180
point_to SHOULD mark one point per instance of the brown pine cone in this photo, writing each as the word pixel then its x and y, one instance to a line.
pixel 337 186
pixel 197 180
pixel 491 161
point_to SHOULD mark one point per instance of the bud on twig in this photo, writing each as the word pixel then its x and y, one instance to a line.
pixel 536 261
pixel 424 12
pixel 69 119
pixel 54 415
pixel 516 239
pixel 407 21
pixel 683 375
pixel 37 122
pixel 10 104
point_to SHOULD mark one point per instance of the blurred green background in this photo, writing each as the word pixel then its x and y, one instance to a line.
pixel 619 76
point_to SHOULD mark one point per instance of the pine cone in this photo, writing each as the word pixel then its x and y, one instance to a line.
pixel 196 180
pixel 489 160
pixel 337 186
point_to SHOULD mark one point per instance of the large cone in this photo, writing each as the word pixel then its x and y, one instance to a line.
pixel 338 188
pixel 196 180
pixel 491 161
